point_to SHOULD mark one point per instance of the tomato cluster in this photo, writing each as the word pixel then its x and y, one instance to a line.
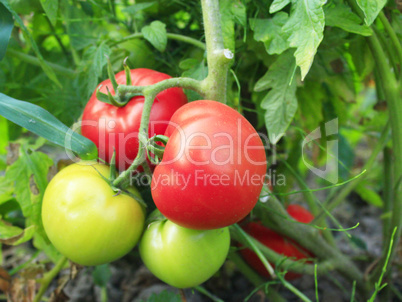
pixel 277 242
pixel 210 177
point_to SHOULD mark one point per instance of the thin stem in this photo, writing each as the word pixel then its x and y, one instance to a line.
pixel 284 261
pixel 251 243
pixel 274 216
pixel 170 36
pixel 344 192
pixel 48 278
pixel 35 61
pixel 245 269
pixel 203 291
pixel 312 202
pixel 387 195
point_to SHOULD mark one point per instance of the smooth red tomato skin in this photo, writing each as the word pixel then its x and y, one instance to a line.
pixel 277 242
pixel 198 184
pixel 111 127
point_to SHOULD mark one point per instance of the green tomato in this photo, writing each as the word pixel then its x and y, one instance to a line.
pixel 183 257
pixel 84 218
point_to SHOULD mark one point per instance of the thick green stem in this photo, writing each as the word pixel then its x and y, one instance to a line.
pixel 284 261
pixel 391 33
pixel 176 37
pixel 393 96
pixel 218 58
pixel 49 278
pixel 274 216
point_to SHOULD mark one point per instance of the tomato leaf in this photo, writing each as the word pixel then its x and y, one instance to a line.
pixel 6 189
pixel 270 32
pixel 155 33
pixel 371 9
pixel 164 296
pixel 277 5
pixel 305 27
pixel 6 26
pixel 227 24
pixel 369 195
pixel 341 16
pixel 101 275
pixel 51 7
pixel 280 102
pixel 134 9
pixel 29 38
pixel 42 123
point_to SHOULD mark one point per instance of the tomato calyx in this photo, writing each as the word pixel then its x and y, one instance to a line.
pixel 155 216
pixel 152 147
pixel 119 99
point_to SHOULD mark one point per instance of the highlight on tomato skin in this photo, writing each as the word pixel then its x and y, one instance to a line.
pixel 277 242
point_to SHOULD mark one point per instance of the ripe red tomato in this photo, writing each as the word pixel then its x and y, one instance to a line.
pixel 277 242
pixel 111 127
pixel 213 167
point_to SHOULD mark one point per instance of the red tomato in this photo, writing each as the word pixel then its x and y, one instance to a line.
pixel 277 242
pixel 111 127
pixel 213 167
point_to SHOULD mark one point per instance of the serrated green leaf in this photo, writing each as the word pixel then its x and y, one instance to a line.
pixel 133 9
pixel 42 123
pixel 4 135
pixel 310 98
pixel 44 245
pixel 101 275
pixel 48 71
pixel 8 232
pixel 6 26
pixel 155 33
pixel 99 58
pixel 164 296
pixel 227 24
pixel 358 242
pixel 369 195
pixel 270 32
pixel 29 164
pixel 277 5
pixel 6 189
pixel 371 9
pixel 305 27
pixel 341 16
pixel 280 102
pixel 51 7
pixel 239 13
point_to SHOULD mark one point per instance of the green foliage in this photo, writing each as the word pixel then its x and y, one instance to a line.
pixel 164 296
pixel 53 55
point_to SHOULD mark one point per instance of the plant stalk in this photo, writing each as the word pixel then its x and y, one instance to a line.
pixel 218 58
pixel 48 278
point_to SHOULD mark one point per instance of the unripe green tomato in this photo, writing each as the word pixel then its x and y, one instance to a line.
pixel 183 257
pixel 84 218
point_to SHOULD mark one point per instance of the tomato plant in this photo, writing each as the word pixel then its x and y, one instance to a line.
pixel 183 257
pixel 277 242
pixel 213 167
pixel 116 128
pixel 85 219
